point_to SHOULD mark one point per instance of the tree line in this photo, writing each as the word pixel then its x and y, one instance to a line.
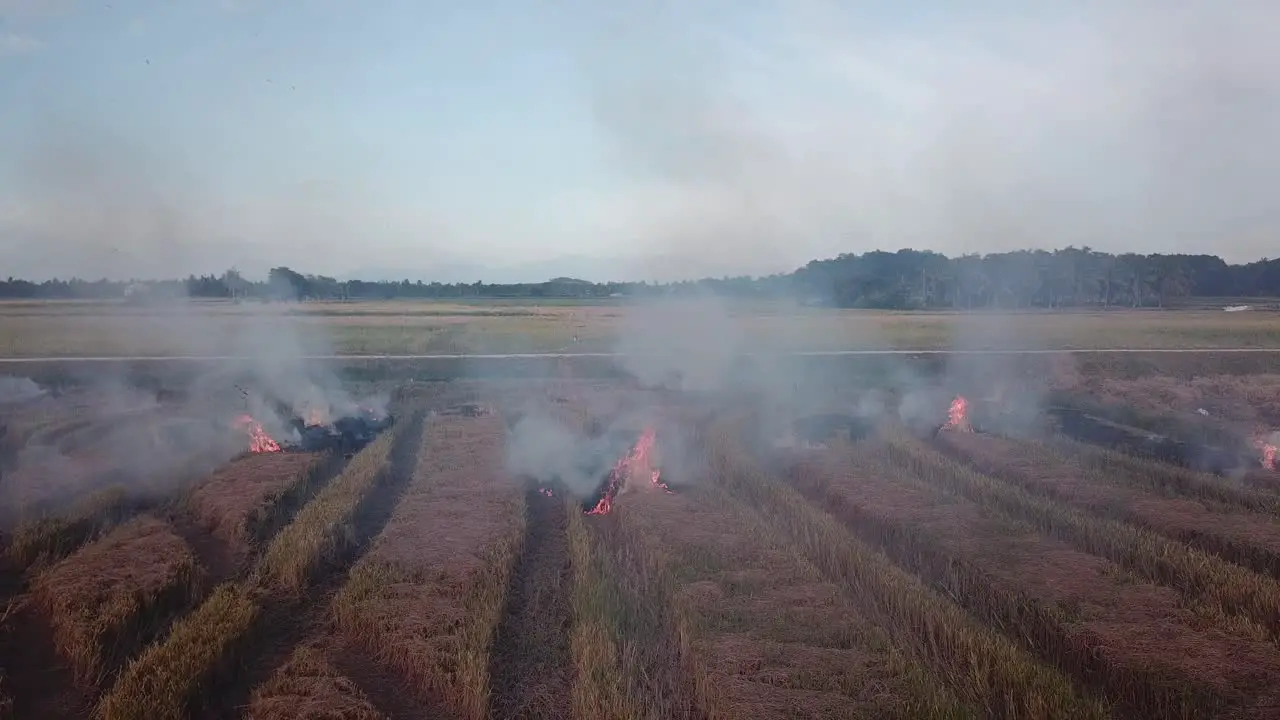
pixel 906 279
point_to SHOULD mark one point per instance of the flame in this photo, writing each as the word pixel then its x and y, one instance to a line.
pixel 958 416
pixel 259 440
pixel 546 492
pixel 316 416
pixel 1268 452
pixel 635 462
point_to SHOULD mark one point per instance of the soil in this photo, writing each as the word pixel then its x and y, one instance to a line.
pixel 530 662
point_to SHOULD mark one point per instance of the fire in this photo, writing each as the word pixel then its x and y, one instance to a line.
pixel 316 416
pixel 546 492
pixel 958 416
pixel 1268 451
pixel 259 440
pixel 635 463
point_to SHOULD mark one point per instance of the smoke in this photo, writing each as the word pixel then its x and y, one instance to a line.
pixel 543 447
pixel 152 434
pixel 18 389
pixel 775 132
pixel 757 139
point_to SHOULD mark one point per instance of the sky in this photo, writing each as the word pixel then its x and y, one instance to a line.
pixel 625 140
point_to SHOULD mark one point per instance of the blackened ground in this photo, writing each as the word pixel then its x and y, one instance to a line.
pixel 530 670
pixel 1137 441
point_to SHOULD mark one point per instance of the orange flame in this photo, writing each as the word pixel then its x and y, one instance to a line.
pixel 635 462
pixel 1268 451
pixel 259 440
pixel 547 492
pixel 958 416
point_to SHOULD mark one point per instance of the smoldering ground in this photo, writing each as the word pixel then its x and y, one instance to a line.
pixel 106 429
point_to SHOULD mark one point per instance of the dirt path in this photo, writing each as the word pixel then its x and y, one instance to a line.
pixel 530 665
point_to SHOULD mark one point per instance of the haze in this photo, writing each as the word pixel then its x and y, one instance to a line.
pixel 625 140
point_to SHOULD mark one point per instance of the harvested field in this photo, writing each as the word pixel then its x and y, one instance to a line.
pixel 748 563
pixel 767 636
pixel 530 666
pixel 1136 642
pixel 116 594
pixel 246 501
pixel 427 599
pixel 1212 514
pixel 309 686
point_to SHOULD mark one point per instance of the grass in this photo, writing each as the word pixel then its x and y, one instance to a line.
pixel 308 686
pixel 624 646
pixel 753 613
pixel 1047 628
pixel 162 682
pixel 172 674
pixel 62 329
pixel 47 539
pixel 1117 469
pixel 428 597
pixel 1224 521
pixel 248 501
pixel 981 666
pixel 113 596
pixel 1205 579
pixel 319 531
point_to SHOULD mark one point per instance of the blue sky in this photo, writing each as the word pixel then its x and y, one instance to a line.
pixel 642 139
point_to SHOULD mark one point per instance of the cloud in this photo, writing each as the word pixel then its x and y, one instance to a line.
pixel 12 44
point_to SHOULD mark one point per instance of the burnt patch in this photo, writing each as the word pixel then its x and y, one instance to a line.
pixel 530 662
pixel 1215 458
pixel 347 435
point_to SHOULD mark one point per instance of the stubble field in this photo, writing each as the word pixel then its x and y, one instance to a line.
pixel 754 562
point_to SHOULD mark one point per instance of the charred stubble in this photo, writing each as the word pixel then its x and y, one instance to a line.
pixel 530 662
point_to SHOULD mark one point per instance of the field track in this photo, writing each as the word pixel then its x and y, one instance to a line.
pixel 529 356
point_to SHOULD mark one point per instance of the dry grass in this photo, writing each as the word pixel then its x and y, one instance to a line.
pixel 981 666
pixel 428 597
pixel 114 595
pixel 1132 642
pixel 424 327
pixel 170 676
pixel 320 530
pixel 1207 580
pixel 308 687
pixel 1215 515
pixel 625 651
pixel 244 502
pixel 766 635
pixel 48 539
pixel 175 672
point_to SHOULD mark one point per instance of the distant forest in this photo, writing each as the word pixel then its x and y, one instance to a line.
pixel 906 279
